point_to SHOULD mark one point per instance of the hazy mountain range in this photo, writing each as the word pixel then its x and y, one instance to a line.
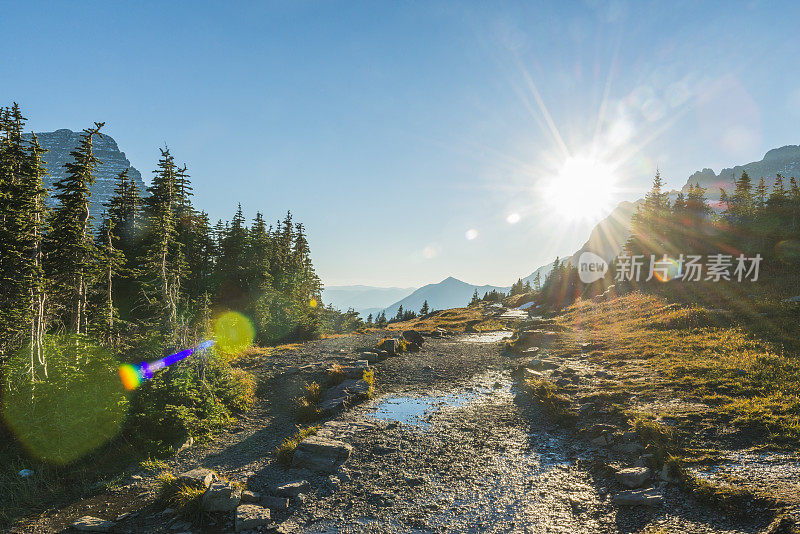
pixel 364 299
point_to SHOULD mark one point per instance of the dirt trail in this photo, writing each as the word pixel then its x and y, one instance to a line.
pixel 447 445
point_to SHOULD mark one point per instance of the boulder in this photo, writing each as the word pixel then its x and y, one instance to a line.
pixel 88 523
pixel 275 503
pixel 356 370
pixel 542 364
pixel 292 489
pixel 337 397
pixel 633 477
pixel 643 497
pixel 414 337
pixel 629 448
pixel 390 345
pixel 373 357
pixel 221 497
pixel 250 497
pixel 321 455
pixel 199 477
pixel 251 516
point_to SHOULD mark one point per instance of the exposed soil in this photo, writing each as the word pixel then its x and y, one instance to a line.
pixel 447 444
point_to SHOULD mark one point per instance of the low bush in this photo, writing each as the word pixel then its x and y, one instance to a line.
pixel 306 407
pixel 286 449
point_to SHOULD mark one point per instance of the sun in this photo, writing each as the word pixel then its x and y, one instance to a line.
pixel 582 189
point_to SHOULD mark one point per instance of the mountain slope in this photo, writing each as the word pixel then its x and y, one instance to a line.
pixel 449 293
pixel 609 235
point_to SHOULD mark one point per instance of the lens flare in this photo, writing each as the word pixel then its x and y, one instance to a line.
pixel 666 270
pixel 69 404
pixel 312 303
pixel 132 376
pixel 233 333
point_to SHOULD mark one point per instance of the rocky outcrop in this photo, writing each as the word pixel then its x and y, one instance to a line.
pixel 88 523
pixel 321 455
pixel 112 161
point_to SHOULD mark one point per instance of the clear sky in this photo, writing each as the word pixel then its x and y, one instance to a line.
pixel 416 140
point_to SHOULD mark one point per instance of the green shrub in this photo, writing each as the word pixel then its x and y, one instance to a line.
pixel 306 407
pixel 183 401
pixel 286 449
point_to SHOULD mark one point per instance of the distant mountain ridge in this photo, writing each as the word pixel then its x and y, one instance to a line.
pixel 449 293
pixel 61 142
pixel 609 235
pixel 363 299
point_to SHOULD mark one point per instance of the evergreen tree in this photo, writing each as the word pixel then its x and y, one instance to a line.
pixel 71 249
pixel 424 310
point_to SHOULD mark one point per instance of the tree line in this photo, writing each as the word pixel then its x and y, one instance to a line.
pixel 148 277
pixel 751 219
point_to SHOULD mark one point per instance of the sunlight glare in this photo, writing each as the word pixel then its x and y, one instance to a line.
pixel 582 189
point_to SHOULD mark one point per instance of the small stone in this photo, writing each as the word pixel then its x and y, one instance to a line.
pixel 221 497
pixel 275 503
pixel 321 455
pixel 633 477
pixel 292 489
pixel 88 523
pixel 644 497
pixel 599 441
pixel 198 477
pixel 251 516
pixel 629 448
pixel 250 497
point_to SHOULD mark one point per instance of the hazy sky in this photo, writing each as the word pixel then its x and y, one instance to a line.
pixel 396 130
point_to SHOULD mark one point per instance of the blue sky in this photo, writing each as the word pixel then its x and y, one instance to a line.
pixel 391 129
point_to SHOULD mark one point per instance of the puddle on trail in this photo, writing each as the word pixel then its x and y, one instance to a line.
pixel 487 337
pixel 417 409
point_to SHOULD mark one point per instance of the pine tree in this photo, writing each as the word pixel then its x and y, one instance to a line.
pixel 71 249
pixel 475 298
pixel 424 310
pixel 163 261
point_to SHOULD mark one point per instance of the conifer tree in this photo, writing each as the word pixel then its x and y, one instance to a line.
pixel 425 309
pixel 71 249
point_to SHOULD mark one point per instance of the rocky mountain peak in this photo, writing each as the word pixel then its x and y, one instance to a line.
pixel 61 142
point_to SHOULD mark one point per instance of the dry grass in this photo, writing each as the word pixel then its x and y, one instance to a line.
pixel 306 407
pixel 700 355
pixel 369 378
pixel 557 407
pixel 286 449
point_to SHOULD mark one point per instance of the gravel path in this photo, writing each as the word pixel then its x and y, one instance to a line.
pixel 447 445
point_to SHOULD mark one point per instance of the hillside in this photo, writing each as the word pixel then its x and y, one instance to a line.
pixel 610 234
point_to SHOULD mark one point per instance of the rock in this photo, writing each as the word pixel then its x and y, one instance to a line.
pixel 287 527
pixel 633 477
pixel 112 161
pixel 221 497
pixel 198 477
pixel 531 350
pixel 292 489
pixel 629 448
pixel 338 397
pixel 414 337
pixel 599 441
pixel 783 524
pixel 322 455
pixel 670 473
pixel 186 445
pixel 251 497
pixel 88 523
pixel 644 497
pixel 528 374
pixel 413 347
pixel 275 503
pixel 250 516
pixel 372 357
pixel 390 345
pixel 543 364
pixel 356 370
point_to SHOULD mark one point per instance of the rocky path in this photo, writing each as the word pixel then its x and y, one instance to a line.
pixel 447 445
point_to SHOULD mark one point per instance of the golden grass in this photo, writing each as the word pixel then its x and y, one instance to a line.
pixel 286 449
pixel 306 407
pixel 557 407
pixel 709 356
